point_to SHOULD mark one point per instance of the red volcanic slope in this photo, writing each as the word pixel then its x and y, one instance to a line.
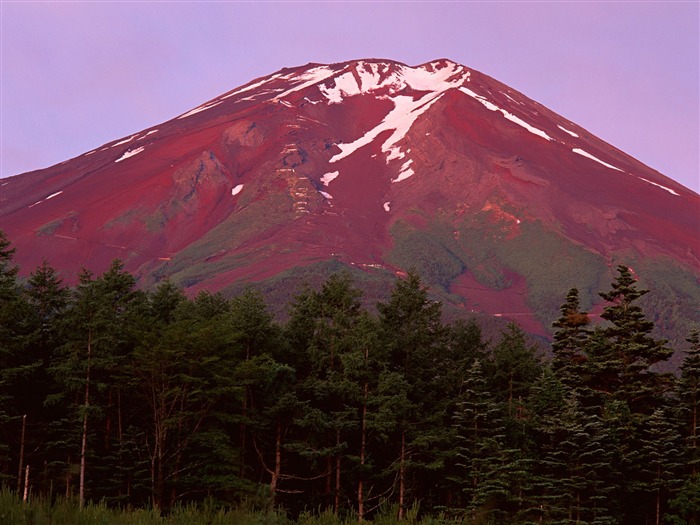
pixel 320 161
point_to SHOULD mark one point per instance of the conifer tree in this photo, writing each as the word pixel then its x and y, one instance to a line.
pixel 688 393
pixel 46 301
pixel 13 331
pixel 480 432
pixel 184 374
pixel 96 345
pixel 631 343
pixel 411 329
pixel 322 326
pixel 569 341
pixel 633 386
pixel 661 457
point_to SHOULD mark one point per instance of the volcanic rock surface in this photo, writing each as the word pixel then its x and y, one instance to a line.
pixel 501 204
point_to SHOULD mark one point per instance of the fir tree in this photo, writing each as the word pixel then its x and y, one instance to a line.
pixel 631 343
pixel 569 341
pixel 688 393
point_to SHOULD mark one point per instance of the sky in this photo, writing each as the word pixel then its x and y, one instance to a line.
pixel 78 74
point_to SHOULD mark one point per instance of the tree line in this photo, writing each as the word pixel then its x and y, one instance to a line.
pixel 151 399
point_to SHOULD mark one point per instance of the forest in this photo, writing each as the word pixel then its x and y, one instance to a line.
pixel 152 400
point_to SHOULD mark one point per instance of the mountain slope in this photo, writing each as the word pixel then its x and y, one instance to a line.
pixel 500 203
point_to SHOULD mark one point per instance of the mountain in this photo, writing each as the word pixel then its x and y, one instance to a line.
pixel 501 204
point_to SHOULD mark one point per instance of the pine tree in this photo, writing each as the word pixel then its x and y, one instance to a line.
pixel 688 394
pixel 661 455
pixel 322 327
pixel 633 386
pixel 630 340
pixel 569 341
pixel 46 300
pixel 184 376
pixel 411 328
pixel 14 331
pixel 479 429
pixel 95 348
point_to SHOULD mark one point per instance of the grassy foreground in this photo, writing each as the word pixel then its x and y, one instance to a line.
pixel 41 511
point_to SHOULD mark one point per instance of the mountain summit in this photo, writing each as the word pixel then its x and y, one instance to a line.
pixel 501 204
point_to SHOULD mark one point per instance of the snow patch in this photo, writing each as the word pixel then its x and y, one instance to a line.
pixel 404 175
pixel 387 206
pixel 44 199
pixel 124 141
pixel 311 77
pixel 201 108
pixel 328 177
pixel 237 189
pixel 130 153
pixel 588 155
pixel 567 131
pixel 251 86
pixel 400 119
pixel 517 120
pixel 660 186
pixel 147 134
pixel 326 195
pixel 366 77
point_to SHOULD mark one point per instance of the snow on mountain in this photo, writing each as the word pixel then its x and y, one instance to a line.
pixel 371 164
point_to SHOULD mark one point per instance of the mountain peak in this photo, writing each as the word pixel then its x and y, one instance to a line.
pixel 371 164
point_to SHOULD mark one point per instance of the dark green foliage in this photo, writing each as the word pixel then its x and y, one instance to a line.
pixel 161 401
pixel 688 393
pixel 569 341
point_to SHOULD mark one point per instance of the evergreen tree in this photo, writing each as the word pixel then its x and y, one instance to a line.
pixel 185 375
pixel 660 452
pixel 688 394
pixel 480 448
pixel 633 386
pixel 14 330
pixel 631 343
pixel 86 365
pixel 46 301
pixel 516 366
pixel 322 326
pixel 685 506
pixel 569 341
pixel 254 334
pixel 412 331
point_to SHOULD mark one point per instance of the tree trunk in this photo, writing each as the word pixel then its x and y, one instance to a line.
pixel 363 445
pixel 658 501
pixel 695 430
pixel 86 406
pixel 336 500
pixel 21 454
pixel 402 475
pixel 275 475
pixel 26 484
pixel 242 433
pixel 68 477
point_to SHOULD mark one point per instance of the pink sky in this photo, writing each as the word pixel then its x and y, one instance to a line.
pixel 76 75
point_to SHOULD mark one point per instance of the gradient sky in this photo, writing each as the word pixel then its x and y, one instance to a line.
pixel 76 75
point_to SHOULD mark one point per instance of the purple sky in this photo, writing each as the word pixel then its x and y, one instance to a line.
pixel 76 75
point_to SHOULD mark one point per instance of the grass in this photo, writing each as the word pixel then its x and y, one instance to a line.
pixel 61 511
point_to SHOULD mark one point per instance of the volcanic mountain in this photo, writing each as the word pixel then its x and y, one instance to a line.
pixel 499 203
